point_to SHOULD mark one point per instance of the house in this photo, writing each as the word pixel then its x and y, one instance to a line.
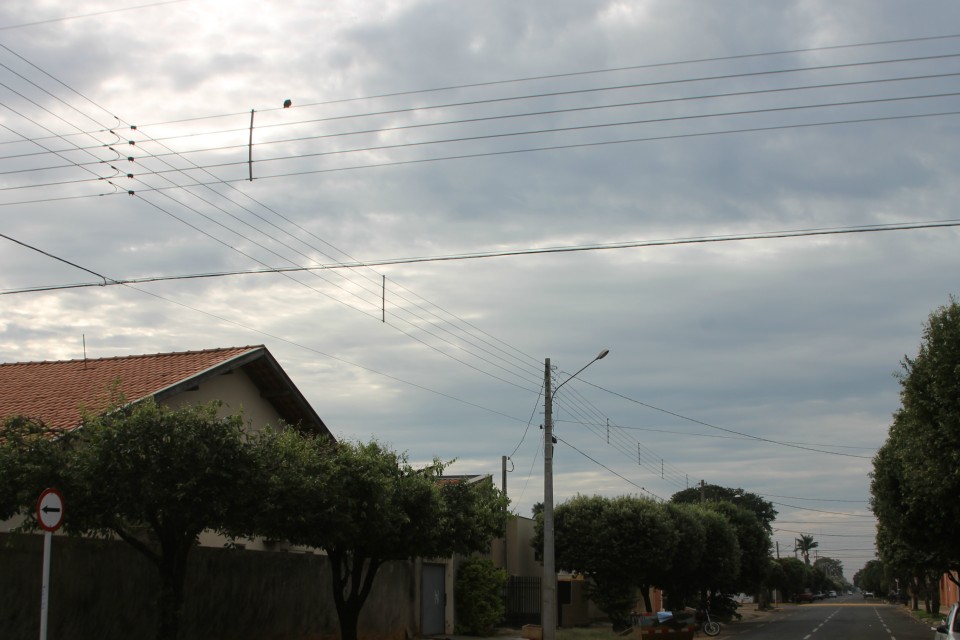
pixel 247 378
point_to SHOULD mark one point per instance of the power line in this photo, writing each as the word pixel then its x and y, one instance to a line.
pixel 461 361
pixel 598 463
pixel 473 120
pixel 534 132
pixel 799 233
pixel 837 513
pixel 739 433
pixel 584 145
pixel 582 73
pixel 88 15
pixel 409 334
pixel 770 495
pixel 722 437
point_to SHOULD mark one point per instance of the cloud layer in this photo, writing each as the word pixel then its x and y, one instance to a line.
pixel 766 364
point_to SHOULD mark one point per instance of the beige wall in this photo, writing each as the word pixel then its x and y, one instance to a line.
pixel 520 557
pixel 237 393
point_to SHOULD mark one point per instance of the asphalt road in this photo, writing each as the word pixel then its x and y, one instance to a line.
pixel 846 618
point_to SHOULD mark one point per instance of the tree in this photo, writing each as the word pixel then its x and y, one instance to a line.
pixel 833 571
pixel 620 544
pixel 790 576
pixel 709 493
pixel 872 577
pixel 914 481
pixel 578 549
pixel 720 566
pixel 366 505
pixel 754 542
pixel 805 544
pixel 679 578
pixel 156 477
pixel 32 458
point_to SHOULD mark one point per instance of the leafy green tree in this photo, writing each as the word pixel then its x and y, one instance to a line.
pixel 644 535
pixel 790 577
pixel 621 544
pixel 366 505
pixel 32 458
pixel 914 483
pixel 832 569
pixel 720 566
pixel 872 577
pixel 156 478
pixel 478 592
pixel 754 542
pixel 680 575
pixel 709 493
pixel 805 544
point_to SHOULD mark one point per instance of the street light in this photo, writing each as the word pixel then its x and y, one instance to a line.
pixel 548 609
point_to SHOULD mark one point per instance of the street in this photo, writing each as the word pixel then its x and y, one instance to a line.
pixel 845 618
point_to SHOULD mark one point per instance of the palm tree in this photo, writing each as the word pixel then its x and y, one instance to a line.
pixel 804 544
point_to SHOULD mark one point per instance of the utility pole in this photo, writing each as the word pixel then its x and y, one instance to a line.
pixel 548 609
pixel 503 474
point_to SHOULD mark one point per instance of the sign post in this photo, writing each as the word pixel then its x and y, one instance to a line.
pixel 49 517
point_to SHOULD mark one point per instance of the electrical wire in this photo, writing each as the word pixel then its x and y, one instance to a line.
pixel 473 120
pixel 537 132
pixel 580 73
pixel 299 282
pixel 88 15
pixel 800 233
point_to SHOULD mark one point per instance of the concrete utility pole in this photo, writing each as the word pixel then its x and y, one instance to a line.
pixel 503 474
pixel 548 586
pixel 548 609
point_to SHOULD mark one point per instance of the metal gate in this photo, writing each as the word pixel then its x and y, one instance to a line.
pixel 433 599
pixel 523 601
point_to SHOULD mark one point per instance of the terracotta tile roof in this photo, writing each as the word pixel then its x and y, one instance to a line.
pixel 58 391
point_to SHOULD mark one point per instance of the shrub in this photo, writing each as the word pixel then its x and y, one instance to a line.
pixel 479 596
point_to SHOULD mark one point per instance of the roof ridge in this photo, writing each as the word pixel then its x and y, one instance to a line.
pixel 136 356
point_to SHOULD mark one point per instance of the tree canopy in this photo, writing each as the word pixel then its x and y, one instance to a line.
pixel 621 544
pixel 157 477
pixel 914 483
pixel 366 505
pixel 32 458
pixel 805 544
pixel 627 543
pixel 708 493
pixel 153 476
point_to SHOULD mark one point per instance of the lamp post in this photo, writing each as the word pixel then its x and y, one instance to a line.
pixel 548 609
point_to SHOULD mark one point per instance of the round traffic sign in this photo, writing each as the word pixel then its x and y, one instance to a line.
pixel 50 510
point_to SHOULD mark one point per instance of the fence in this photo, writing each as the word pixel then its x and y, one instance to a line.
pixel 523 601
pixel 104 590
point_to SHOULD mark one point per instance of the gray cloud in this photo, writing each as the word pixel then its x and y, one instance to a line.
pixel 791 340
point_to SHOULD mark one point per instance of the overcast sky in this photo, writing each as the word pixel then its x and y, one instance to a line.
pixel 669 129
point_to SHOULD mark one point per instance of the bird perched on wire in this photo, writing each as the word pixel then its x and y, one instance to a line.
pixel 287 103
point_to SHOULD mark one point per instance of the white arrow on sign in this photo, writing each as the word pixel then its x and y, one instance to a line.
pixel 50 510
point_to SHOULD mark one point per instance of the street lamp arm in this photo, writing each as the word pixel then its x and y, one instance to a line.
pixel 600 356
